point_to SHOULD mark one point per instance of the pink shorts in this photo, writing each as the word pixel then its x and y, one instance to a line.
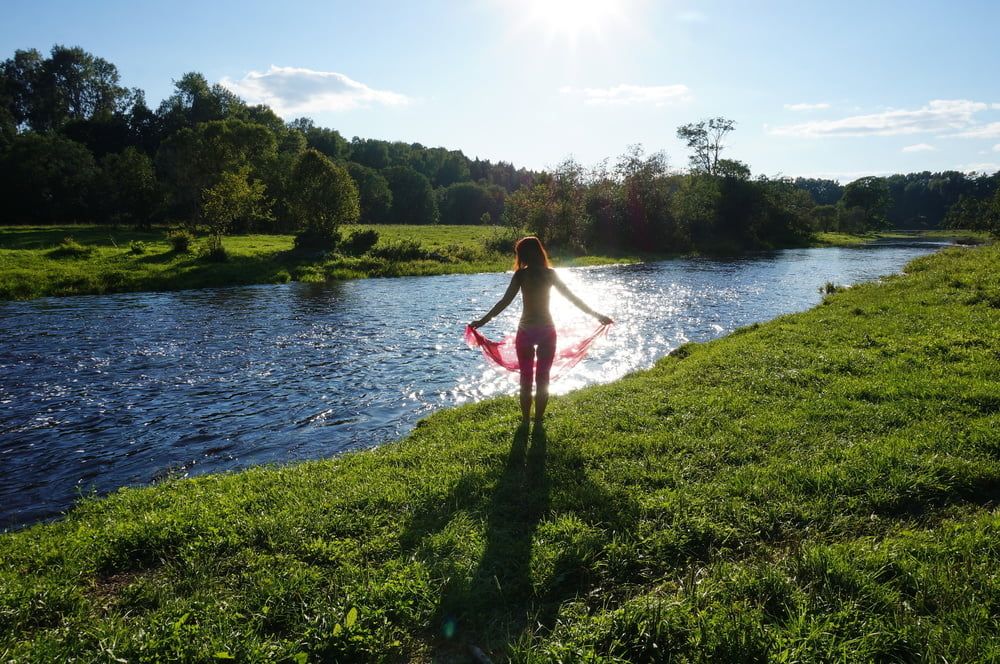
pixel 528 338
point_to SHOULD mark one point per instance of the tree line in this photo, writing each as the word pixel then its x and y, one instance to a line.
pixel 78 146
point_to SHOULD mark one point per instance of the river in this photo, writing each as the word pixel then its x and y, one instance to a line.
pixel 99 392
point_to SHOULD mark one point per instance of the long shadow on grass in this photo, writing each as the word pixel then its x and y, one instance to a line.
pixel 541 480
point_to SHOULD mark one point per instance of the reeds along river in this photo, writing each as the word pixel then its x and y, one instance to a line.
pixel 99 392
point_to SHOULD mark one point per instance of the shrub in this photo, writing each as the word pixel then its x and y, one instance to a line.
pixel 213 250
pixel 136 248
pixel 359 242
pixel 320 240
pixel 401 250
pixel 458 253
pixel 180 240
pixel 70 248
pixel 502 241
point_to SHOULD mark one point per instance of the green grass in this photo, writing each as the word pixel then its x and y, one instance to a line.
pixel 822 487
pixel 34 262
pixel 836 239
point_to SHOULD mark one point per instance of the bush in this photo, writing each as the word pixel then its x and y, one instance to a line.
pixel 320 240
pixel 213 250
pixel 70 248
pixel 136 248
pixel 502 241
pixel 180 240
pixel 458 253
pixel 401 250
pixel 359 242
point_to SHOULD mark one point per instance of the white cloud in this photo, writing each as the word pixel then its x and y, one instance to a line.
pixel 625 94
pixel 938 115
pixel 991 130
pixel 996 148
pixel 920 147
pixel 294 90
pixel 987 167
pixel 807 107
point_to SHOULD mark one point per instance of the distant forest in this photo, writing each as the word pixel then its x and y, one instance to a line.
pixel 76 146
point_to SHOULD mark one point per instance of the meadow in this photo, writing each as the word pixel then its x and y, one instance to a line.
pixel 821 487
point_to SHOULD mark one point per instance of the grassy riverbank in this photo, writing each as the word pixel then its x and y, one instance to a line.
pixel 837 239
pixel 34 262
pixel 818 488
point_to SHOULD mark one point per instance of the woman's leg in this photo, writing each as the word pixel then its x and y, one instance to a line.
pixel 546 354
pixel 526 365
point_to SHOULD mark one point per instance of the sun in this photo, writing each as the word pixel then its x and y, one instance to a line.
pixel 571 20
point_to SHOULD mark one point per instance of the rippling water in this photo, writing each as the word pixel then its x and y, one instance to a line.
pixel 98 392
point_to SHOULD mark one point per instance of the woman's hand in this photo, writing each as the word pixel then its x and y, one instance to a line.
pixel 604 319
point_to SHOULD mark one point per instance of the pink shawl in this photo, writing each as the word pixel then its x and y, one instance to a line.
pixel 570 349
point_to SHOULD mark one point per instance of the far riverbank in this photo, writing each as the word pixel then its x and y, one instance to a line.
pixel 38 261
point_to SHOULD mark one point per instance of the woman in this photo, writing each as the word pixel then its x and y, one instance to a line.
pixel 536 335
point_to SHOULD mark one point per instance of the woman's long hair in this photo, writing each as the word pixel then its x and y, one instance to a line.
pixel 529 252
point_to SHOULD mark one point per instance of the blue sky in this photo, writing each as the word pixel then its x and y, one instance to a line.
pixel 830 89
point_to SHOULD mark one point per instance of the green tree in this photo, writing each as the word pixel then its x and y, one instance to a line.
pixel 327 141
pixel 234 197
pixel 322 196
pixel 695 205
pixel 19 77
pixel 374 192
pixel 128 189
pixel 823 192
pixel 193 159
pixel 642 200
pixel 555 208
pixel 412 197
pixel 467 202
pixel 370 152
pixel 69 85
pixel 871 196
pixel 47 178
pixel 194 101
pixel 704 139
pixel 825 217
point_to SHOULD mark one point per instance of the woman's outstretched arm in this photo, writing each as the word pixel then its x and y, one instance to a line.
pixel 580 304
pixel 508 297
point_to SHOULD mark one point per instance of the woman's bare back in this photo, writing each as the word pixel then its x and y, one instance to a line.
pixel 536 283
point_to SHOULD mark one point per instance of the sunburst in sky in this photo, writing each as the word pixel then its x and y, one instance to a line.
pixel 571 23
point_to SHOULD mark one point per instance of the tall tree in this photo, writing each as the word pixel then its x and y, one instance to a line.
pixel 195 101
pixel 870 195
pixel 70 85
pixel 374 192
pixel 19 77
pixel 705 139
pixel 233 198
pixel 322 197
pixel 47 178
pixel 412 197
pixel 193 159
pixel 127 188
pixel 467 202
